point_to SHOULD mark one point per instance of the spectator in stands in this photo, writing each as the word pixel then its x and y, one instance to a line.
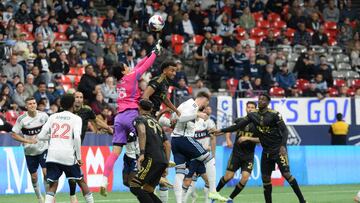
pixel 162 12
pixel 55 55
pixel 254 69
pixel 94 27
pixel 180 73
pixel 262 58
pixel 248 41
pixel 125 50
pixel 30 87
pixel 240 62
pixel 2 28
pixel 296 19
pixel 104 116
pixel 73 56
pixel 355 56
pixel 246 21
pixel 206 27
pixel 53 91
pixel 244 86
pixel 197 18
pixel 38 43
pixel 43 93
pixel 324 69
pixel 309 8
pixel 92 10
pixel 314 22
pixel 343 37
pixel 88 82
pixel 302 36
pixel 46 31
pixel 312 91
pixel 99 65
pixel 35 11
pixel 148 44
pixel 21 50
pixel 215 66
pixel 257 86
pixel 71 30
pixel 339 130
pixel 271 42
pixel 13 68
pixel 200 87
pixel 108 90
pixel 331 13
pixel 248 51
pixel 357 93
pixel 125 31
pixel 110 24
pixel 320 83
pixel 11 30
pixel 53 24
pixel 268 79
pixel 180 93
pixel 186 27
pixel 257 6
pixel 5 98
pixel 42 62
pixel 98 104
pixel 304 67
pixel 320 38
pixel 169 28
pixel 38 77
pixel 348 12
pixel 83 60
pixel 275 6
pixel 79 35
pixel 92 48
pixel 22 15
pixel 343 91
pixel 286 79
pixel 61 66
pixel 112 56
pixel 20 95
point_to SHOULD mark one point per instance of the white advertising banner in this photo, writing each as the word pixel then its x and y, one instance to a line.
pixel 224 111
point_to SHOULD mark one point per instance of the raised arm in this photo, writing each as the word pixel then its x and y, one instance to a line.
pixel 145 65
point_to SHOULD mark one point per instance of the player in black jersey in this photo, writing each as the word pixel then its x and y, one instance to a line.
pixel 242 156
pixel 273 135
pixel 154 154
pixel 158 87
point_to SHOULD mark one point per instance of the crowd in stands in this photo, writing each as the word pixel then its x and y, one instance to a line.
pixel 287 47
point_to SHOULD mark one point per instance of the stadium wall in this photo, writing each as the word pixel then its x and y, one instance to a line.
pixel 311 165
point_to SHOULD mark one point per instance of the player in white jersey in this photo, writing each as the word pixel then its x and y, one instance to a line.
pixel 132 152
pixel 196 168
pixel 25 130
pixel 186 148
pixel 63 130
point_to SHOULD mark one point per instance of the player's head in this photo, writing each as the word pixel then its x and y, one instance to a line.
pixel 202 99
pixel 168 68
pixel 208 110
pixel 339 117
pixel 67 102
pixel 145 106
pixel 250 106
pixel 119 70
pixel 264 100
pixel 30 104
pixel 79 99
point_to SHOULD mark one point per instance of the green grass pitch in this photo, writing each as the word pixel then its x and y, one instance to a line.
pixel 313 194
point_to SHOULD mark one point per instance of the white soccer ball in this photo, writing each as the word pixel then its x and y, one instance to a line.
pixel 156 23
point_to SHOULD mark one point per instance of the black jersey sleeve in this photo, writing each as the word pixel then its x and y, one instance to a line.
pixel 139 120
pixel 240 123
pixel 154 84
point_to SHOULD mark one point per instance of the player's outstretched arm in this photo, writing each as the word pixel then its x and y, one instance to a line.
pixel 169 104
pixel 167 148
pixel 251 139
pixel 102 124
pixel 241 123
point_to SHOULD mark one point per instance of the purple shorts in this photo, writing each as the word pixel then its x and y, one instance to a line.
pixel 123 125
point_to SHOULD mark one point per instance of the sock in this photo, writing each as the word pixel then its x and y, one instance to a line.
pixel 294 185
pixel 221 184
pixel 109 165
pixel 184 192
pixel 72 187
pixel 211 174
pixel 206 193
pixel 154 198
pixel 46 186
pixel 73 198
pixel 164 194
pixel 190 191
pixel 179 177
pixel 89 198
pixel 37 190
pixel 267 192
pixel 50 197
pixel 141 195
pixel 238 188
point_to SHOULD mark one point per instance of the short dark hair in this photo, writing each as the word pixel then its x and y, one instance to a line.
pixel 118 68
pixel 19 83
pixel 67 101
pixel 339 116
pixel 167 64
pixel 203 94
pixel 42 83
pixel 29 99
pixel 251 102
pixel 146 105
pixel 266 95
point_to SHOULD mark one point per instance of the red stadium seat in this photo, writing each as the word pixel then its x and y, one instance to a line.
pixel 329 25
pixel 350 92
pixel 331 33
pixel 29 36
pixel 258 16
pixel 353 24
pixel 302 84
pixel 218 39
pixel 101 20
pixel 198 39
pixel 73 71
pixel 277 92
pixel 109 36
pixel 339 83
pixel 273 17
pixel 29 27
pixel 81 71
pixel 20 27
pixel 290 33
pixel 177 42
pixel 60 37
pixel 67 87
pixel 77 80
pixel 232 85
pixel 277 32
pixel 257 32
pixel 333 92
pixel 11 116
pixel 240 33
pixel 62 28
pixel 65 80
pixel 310 31
pixel 332 42
pixel 355 83
pixel 263 24
pixel 285 10
pixel 279 24
pixel 257 40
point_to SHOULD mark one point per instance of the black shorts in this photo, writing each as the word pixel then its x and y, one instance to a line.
pixel 197 167
pixel 33 162
pixel 245 163
pixel 150 173
pixel 130 165
pixel 55 170
pixel 268 163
